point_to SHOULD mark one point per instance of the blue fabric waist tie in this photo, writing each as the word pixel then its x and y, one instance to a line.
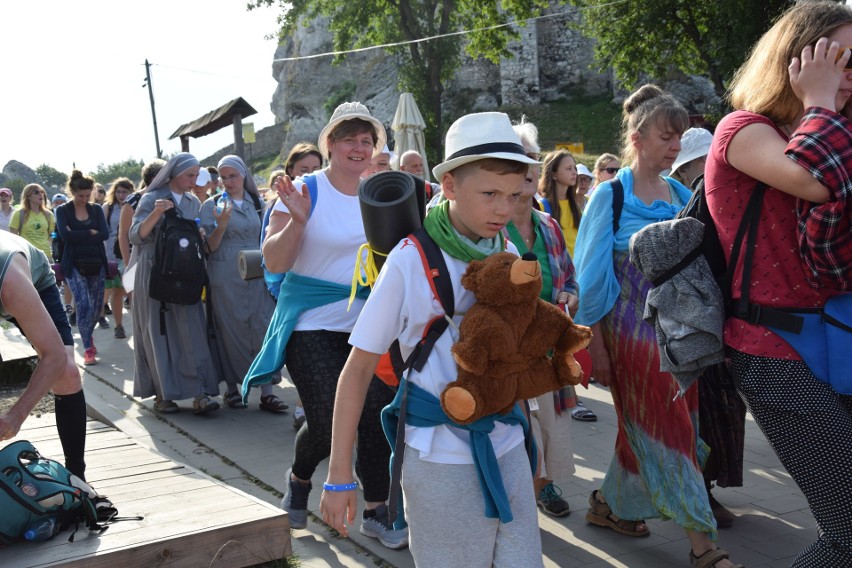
pixel 298 294
pixel 424 411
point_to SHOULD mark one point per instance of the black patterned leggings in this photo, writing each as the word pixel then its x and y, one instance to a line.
pixel 810 428
pixel 314 361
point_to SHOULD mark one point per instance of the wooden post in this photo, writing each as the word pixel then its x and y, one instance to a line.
pixel 239 147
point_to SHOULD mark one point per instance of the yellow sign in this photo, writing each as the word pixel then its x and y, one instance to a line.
pixel 573 147
pixel 248 133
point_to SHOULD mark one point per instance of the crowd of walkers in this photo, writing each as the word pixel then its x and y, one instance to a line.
pixel 494 191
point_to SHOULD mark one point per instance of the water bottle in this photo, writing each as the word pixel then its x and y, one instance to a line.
pixel 224 200
pixel 42 529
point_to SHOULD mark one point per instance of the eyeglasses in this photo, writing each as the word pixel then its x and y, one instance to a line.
pixel 611 171
pixel 848 63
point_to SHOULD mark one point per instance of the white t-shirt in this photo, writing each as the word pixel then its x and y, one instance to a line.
pixel 330 244
pixel 400 306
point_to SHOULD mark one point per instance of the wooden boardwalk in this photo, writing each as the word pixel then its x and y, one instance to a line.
pixel 190 519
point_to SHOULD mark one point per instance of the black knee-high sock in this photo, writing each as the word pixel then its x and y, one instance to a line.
pixel 71 425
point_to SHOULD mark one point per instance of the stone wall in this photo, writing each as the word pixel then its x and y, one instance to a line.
pixel 549 59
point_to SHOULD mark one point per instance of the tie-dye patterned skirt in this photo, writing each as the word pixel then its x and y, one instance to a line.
pixel 655 471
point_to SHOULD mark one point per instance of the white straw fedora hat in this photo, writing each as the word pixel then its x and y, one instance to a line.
pixel 351 111
pixel 694 143
pixel 478 136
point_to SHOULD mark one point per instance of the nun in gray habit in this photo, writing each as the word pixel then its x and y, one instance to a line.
pixel 177 365
pixel 241 308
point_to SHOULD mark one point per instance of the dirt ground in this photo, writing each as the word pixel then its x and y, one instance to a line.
pixel 10 393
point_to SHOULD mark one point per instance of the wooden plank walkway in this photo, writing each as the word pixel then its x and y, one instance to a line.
pixel 13 345
pixel 190 519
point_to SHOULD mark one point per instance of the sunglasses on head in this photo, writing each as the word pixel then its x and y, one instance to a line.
pixel 848 63
pixel 611 171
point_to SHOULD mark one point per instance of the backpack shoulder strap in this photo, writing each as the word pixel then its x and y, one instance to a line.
pixel 258 206
pixel 435 268
pixel 617 203
pixel 311 181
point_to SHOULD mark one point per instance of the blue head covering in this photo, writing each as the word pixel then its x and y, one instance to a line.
pixel 173 168
pixel 234 161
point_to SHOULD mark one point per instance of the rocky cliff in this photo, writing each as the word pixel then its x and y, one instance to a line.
pixel 549 60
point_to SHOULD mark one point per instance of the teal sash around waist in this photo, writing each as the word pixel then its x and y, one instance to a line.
pixel 298 294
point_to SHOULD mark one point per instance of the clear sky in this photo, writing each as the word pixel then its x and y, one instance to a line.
pixel 73 73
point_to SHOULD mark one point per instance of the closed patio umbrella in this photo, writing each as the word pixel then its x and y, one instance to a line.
pixel 408 129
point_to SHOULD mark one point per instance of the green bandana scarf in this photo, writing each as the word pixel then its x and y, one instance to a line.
pixel 437 224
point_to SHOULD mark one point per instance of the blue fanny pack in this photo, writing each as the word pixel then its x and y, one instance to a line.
pixel 825 341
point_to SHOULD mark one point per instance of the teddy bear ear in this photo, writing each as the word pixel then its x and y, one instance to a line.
pixel 471 277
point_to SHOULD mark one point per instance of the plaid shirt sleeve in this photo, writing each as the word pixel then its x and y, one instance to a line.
pixel 823 145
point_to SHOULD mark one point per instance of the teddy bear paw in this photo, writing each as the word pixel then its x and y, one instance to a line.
pixel 459 404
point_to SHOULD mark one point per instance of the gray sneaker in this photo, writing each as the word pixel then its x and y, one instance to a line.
pixel 295 501
pixel 375 524
pixel 551 502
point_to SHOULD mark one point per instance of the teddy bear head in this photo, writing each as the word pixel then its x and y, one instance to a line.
pixel 504 279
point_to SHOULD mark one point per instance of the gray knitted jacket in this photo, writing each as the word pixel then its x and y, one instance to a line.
pixel 687 310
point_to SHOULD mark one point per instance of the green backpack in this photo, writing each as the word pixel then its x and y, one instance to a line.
pixel 34 488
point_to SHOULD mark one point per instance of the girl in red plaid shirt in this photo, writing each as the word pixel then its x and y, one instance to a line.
pixel 790 131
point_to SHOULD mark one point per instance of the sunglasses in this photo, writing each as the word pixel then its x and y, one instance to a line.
pixel 848 63
pixel 611 171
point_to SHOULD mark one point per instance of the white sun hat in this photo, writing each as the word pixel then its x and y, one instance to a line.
pixel 582 170
pixel 351 111
pixel 694 143
pixel 478 136
pixel 203 177
pixel 391 154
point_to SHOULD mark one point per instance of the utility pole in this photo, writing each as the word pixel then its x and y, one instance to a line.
pixel 153 112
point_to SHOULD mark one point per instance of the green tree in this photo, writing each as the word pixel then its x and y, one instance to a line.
pixel 51 177
pixel 129 168
pixel 697 37
pixel 426 66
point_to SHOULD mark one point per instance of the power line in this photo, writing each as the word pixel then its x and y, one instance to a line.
pixel 451 34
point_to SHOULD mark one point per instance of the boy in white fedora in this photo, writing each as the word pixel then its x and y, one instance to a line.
pixel 460 511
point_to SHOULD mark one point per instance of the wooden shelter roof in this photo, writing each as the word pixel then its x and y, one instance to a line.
pixel 215 119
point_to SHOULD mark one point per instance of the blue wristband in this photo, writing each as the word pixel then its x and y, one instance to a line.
pixel 341 487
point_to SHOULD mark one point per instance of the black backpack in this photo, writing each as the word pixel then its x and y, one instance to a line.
pixel 436 271
pixel 179 272
pixel 710 247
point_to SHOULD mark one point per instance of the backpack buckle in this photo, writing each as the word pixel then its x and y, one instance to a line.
pixel 754 314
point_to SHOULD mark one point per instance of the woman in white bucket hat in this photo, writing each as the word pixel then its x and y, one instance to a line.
pixel 314 234
pixel 694 147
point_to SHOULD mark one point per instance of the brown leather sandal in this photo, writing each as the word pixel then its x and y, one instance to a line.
pixel 600 515
pixel 710 558
pixel 272 403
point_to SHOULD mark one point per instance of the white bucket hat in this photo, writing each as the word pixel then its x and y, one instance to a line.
pixel 203 177
pixel 582 170
pixel 694 143
pixel 351 111
pixel 478 136
pixel 391 154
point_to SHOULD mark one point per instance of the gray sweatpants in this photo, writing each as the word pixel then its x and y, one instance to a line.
pixel 445 511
